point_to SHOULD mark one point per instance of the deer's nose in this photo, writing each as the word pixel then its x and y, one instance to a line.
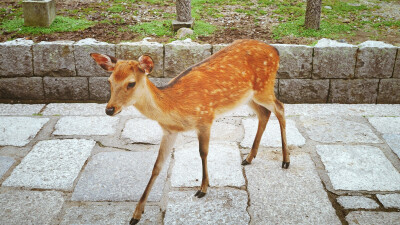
pixel 110 111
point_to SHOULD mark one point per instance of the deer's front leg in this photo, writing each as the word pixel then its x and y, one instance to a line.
pixel 204 140
pixel 166 145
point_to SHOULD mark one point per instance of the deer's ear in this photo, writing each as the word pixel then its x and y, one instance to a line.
pixel 105 61
pixel 146 63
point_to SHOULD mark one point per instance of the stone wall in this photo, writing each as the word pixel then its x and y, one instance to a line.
pixel 329 72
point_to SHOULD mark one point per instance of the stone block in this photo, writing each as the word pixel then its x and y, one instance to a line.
pixel 180 55
pixel 396 71
pixel 82 125
pixel 5 164
pixel 99 88
pixel 20 109
pixel 358 168
pixel 223 166
pixel 332 129
pixel 375 59
pixel 85 65
pixel 218 47
pixel 386 125
pixel 160 82
pixel 19 131
pixel 30 88
pixel 219 206
pixel 39 13
pixel 353 91
pixel 368 217
pixel 119 176
pixel 75 109
pixel 393 140
pixel 54 59
pixel 328 59
pixel 176 25
pixel 30 207
pixel 274 191
pixel 357 202
pixel 295 61
pixel 303 90
pixel 66 88
pixel 16 58
pixel 51 164
pixel 389 91
pixel 140 130
pixel 133 50
pixel 390 200
pixel 272 133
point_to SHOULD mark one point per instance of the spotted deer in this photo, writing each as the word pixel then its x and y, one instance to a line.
pixel 242 73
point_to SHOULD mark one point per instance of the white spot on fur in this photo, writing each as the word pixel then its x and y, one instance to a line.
pixel 265 63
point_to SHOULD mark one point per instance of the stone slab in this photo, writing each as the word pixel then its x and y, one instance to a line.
pixel 224 129
pixel 20 109
pixel 275 191
pixel 99 88
pixel 224 166
pixel 396 71
pixel 5 164
pixel 30 207
pixel 19 131
pixel 366 218
pixel 272 133
pixel 393 140
pixel 389 91
pixel 295 61
pixel 140 130
pixel 303 90
pixel 358 168
pixel 386 125
pixel 85 65
pixel 75 109
pixel 109 213
pixel 119 176
pixel 353 91
pixel 334 129
pixel 219 206
pixel 390 200
pixel 54 59
pixel 66 88
pixel 51 164
pixel 357 202
pixel 217 47
pixel 16 58
pixel 30 88
pixel 160 82
pixel 81 125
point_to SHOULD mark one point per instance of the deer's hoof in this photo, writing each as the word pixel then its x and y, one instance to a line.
pixel 285 165
pixel 245 162
pixel 133 221
pixel 200 194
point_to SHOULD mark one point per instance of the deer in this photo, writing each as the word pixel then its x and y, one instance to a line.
pixel 241 73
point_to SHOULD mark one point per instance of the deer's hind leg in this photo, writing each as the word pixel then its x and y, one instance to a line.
pixel 263 115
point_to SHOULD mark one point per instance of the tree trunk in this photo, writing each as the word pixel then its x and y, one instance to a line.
pixel 183 10
pixel 313 14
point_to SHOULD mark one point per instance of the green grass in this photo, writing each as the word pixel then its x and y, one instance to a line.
pixel 116 9
pixel 157 28
pixel 60 24
pixel 202 28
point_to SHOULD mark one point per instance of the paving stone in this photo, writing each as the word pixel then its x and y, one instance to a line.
pixel 272 133
pixel 295 61
pixel 275 191
pixel 5 164
pixel 16 58
pixel 390 200
pixel 389 91
pixel 85 65
pixel 219 206
pixel 375 59
pixel 133 50
pixel 357 202
pixel 119 176
pixel 109 213
pixel 30 88
pixel 99 88
pixel 19 131
pixel 141 130
pixel 20 109
pixel 30 207
pixel 224 166
pixel 75 109
pixel 386 124
pixel 54 58
pixel 224 129
pixel 80 125
pixel 393 140
pixel 66 88
pixel 51 164
pixel 338 130
pixel 303 90
pixel 358 168
pixel 366 218
pixel 328 54
pixel 353 91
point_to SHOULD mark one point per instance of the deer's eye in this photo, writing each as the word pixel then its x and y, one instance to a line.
pixel 131 85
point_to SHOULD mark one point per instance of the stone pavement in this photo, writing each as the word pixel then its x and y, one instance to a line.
pixel 72 164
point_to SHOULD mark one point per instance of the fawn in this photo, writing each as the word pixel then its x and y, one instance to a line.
pixel 242 73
